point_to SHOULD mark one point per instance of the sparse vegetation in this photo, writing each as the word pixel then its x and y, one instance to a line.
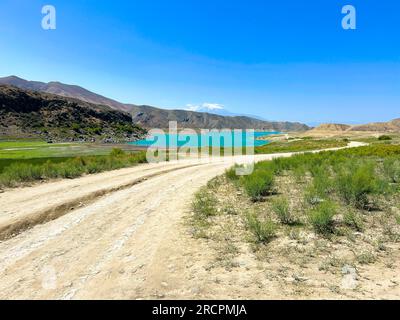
pixel 258 184
pixel 263 231
pixel 365 258
pixel 356 181
pixel 282 210
pixel 391 168
pixel 231 173
pixel 321 217
pixel 337 210
pixel 354 220
pixel 204 204
pixel 304 144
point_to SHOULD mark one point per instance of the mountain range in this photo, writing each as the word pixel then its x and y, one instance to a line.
pixel 147 116
pixel 152 117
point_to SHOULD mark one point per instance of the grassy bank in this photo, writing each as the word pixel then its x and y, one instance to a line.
pixel 35 161
pixel 17 172
pixel 33 149
pixel 316 213
pixel 304 144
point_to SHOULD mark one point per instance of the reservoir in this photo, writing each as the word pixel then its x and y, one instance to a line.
pixel 227 139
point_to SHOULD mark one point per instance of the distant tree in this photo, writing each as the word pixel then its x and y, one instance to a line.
pixel 384 138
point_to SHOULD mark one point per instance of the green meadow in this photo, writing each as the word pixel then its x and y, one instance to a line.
pixel 25 161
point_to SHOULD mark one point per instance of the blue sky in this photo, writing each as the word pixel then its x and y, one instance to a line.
pixel 281 60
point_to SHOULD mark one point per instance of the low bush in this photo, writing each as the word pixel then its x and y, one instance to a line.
pixel 117 152
pixel 258 184
pixel 204 204
pixel 356 181
pixel 353 220
pixel 391 168
pixel 263 231
pixel 282 210
pixel 230 210
pixel 397 218
pixel 365 258
pixel 231 173
pixel 299 173
pixel 385 138
pixel 321 217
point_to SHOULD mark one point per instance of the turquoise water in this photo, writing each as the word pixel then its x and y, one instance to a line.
pixel 215 139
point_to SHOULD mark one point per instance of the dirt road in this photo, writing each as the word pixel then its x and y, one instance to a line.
pixel 117 234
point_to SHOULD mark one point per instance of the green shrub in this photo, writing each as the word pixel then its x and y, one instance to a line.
pixel 353 220
pixel 263 231
pixel 117 152
pixel 6 180
pixel 231 173
pixel 139 157
pixel 76 127
pixel 49 170
pixel 313 196
pixel 278 164
pixel 69 170
pixel 19 172
pixel 391 167
pixel 320 187
pixel 376 150
pixel 93 167
pixel 230 210
pixel 356 182
pixel 384 138
pixel 321 217
pixel 299 173
pixel 204 204
pixel 365 258
pixel 93 130
pixel 282 210
pixel 258 184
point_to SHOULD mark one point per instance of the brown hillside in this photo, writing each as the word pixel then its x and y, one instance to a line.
pixel 26 113
pixel 390 126
pixel 332 127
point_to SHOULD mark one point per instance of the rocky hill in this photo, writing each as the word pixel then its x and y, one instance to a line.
pixel 25 113
pixel 151 117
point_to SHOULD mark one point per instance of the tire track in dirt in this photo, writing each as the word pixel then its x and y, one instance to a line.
pixel 9 229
